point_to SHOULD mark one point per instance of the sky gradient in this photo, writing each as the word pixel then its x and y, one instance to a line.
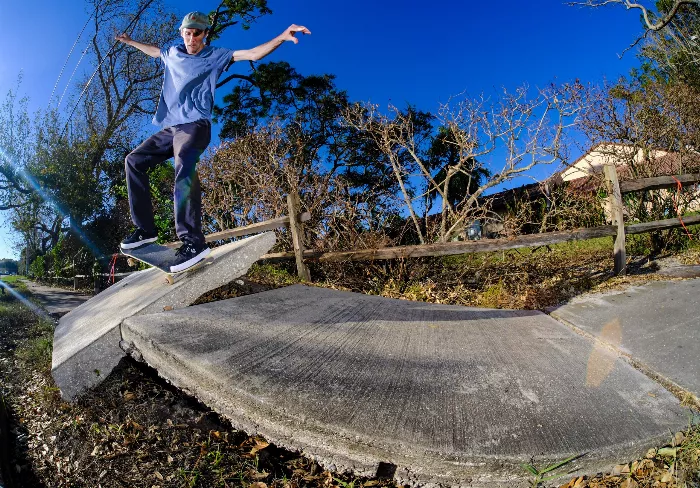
pixel 386 51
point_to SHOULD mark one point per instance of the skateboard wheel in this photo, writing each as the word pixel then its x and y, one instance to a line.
pixel 169 279
pixel 131 262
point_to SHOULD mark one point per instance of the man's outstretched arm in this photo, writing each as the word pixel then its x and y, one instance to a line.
pixel 263 50
pixel 151 50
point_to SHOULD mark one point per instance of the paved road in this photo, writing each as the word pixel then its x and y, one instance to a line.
pixel 56 301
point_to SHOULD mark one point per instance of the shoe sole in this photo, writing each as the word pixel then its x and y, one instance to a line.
pixel 191 262
pixel 134 245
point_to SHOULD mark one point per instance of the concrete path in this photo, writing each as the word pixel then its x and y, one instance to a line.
pixel 57 302
pixel 425 393
pixel 87 340
pixel 657 326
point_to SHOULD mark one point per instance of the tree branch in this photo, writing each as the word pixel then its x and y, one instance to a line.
pixel 651 25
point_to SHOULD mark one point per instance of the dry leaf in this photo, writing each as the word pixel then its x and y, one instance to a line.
pixel 668 452
pixel 629 483
pixel 259 446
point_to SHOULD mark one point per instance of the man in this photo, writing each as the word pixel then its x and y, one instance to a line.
pixel 184 115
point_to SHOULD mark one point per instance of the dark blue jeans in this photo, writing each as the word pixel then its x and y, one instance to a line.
pixel 186 143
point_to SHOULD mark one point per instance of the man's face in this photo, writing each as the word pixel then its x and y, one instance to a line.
pixel 194 40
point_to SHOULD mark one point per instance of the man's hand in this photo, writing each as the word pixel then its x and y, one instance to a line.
pixel 123 37
pixel 259 52
pixel 289 34
pixel 152 51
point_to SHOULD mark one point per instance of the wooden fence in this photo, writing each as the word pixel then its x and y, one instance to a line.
pixel 618 229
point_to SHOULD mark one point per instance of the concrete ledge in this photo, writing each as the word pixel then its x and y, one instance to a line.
pixel 440 394
pixel 86 340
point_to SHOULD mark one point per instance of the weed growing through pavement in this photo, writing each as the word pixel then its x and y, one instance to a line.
pixel 539 474
pixel 345 484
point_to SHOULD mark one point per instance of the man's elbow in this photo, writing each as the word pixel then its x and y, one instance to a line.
pixel 254 56
pixel 248 55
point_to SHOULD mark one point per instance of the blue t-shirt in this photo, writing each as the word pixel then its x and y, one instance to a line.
pixel 189 84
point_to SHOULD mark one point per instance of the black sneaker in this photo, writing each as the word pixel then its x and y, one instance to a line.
pixel 138 239
pixel 188 255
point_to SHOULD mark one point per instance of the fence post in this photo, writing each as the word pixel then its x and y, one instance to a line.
pixel 617 214
pixel 96 279
pixel 297 230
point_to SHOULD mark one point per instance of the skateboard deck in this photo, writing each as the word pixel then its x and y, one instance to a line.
pixel 160 257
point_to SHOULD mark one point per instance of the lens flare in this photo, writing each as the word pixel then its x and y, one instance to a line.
pixel 44 196
pixel 34 308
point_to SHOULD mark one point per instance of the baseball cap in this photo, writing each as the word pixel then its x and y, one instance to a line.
pixel 195 20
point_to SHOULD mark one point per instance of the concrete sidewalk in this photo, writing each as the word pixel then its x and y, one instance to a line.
pixel 656 326
pixel 426 393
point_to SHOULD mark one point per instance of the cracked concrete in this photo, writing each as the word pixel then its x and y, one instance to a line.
pixel 86 341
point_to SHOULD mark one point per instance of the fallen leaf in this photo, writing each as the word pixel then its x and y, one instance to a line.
pixel 259 446
pixel 668 452
pixel 629 483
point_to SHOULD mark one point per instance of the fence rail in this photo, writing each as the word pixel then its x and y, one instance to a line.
pixel 658 182
pixel 486 245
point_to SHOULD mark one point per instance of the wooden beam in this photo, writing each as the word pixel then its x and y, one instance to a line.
pixel 661 225
pixel 247 229
pixel 452 248
pixel 618 218
pixel 297 230
pixel 658 182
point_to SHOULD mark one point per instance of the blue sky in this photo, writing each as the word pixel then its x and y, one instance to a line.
pixel 384 51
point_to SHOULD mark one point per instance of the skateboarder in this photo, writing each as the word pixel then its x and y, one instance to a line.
pixel 184 115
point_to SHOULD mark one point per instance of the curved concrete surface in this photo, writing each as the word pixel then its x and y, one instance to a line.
pixel 428 394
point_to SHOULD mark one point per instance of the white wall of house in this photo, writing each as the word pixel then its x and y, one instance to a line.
pixel 607 153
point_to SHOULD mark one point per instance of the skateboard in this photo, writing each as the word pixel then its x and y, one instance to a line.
pixel 160 257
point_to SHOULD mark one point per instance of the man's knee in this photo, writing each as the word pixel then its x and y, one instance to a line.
pixel 135 162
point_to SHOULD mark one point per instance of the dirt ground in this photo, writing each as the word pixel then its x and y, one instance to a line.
pixel 135 430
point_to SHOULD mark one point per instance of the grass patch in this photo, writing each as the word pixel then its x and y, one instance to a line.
pixel 274 276
pixel 529 278
pixel 674 465
pixel 36 351
pixel 10 279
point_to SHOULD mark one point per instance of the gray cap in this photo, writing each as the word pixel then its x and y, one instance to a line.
pixel 195 20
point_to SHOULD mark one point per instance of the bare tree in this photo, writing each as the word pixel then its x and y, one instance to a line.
pixel 246 180
pixel 515 132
